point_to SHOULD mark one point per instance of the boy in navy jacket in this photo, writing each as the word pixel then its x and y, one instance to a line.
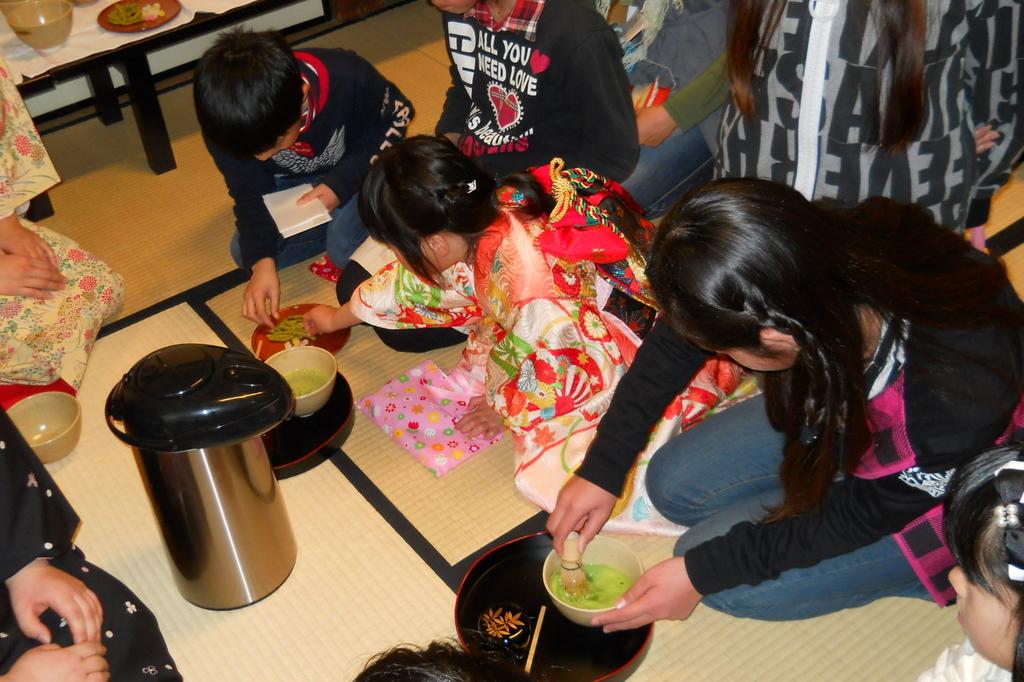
pixel 274 119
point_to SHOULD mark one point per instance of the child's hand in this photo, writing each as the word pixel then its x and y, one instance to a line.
pixel 324 193
pixel 24 276
pixel 51 663
pixel 319 320
pixel 985 138
pixel 39 586
pixel 264 288
pixel 481 420
pixel 654 125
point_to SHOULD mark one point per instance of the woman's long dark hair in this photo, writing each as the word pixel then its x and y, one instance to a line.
pixel 425 185
pixel 740 255
pixel 901 27
pixel 975 539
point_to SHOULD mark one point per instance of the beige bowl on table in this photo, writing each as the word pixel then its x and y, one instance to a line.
pixel 51 423
pixel 601 550
pixel 309 358
pixel 41 23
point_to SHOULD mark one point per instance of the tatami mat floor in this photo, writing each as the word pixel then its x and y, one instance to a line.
pixel 456 525
pixel 341 603
pixel 382 542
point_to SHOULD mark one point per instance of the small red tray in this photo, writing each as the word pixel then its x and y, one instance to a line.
pixel 170 8
pixel 332 342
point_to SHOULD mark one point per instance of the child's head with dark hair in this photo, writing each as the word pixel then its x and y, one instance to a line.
pixel 439 662
pixel 423 196
pixel 983 528
pixel 249 93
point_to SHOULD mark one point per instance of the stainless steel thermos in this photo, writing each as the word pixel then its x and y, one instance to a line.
pixel 193 415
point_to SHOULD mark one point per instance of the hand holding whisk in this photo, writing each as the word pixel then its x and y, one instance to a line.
pixel 574 579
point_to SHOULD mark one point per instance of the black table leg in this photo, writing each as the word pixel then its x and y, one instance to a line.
pixel 148 116
pixel 40 208
pixel 103 95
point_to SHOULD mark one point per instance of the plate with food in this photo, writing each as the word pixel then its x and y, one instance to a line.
pixel 289 332
pixel 132 16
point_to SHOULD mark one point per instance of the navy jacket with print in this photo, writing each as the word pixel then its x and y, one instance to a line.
pixel 358 114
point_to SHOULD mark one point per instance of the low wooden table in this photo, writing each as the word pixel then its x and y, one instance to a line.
pixel 141 87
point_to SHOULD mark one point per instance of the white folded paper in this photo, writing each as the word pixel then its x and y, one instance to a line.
pixel 373 255
pixel 293 218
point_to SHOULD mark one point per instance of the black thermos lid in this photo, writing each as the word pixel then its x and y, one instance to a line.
pixel 197 396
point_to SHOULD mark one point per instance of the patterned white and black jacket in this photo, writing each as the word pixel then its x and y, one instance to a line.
pixel 827 49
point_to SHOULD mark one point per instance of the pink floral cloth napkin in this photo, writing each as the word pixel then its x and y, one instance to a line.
pixel 419 408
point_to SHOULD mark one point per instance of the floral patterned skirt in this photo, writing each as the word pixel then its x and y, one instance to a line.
pixel 43 340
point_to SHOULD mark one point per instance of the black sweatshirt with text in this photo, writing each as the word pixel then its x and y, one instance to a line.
pixel 517 103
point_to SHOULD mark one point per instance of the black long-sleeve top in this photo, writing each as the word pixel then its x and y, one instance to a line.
pixel 961 388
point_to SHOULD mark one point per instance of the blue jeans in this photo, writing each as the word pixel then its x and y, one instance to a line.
pixel 663 174
pixel 724 471
pixel 340 237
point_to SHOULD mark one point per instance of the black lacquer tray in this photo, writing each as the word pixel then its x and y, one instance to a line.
pixel 508 578
pixel 298 444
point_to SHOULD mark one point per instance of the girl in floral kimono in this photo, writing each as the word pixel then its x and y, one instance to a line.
pixel 515 269
pixel 53 294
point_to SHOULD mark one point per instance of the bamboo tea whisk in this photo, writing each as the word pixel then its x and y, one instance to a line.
pixel 574 579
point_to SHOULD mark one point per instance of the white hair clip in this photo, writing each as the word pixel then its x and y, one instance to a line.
pixel 1006 515
pixel 470 186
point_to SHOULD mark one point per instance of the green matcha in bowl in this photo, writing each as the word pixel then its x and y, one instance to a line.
pixel 611 568
pixel 311 373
